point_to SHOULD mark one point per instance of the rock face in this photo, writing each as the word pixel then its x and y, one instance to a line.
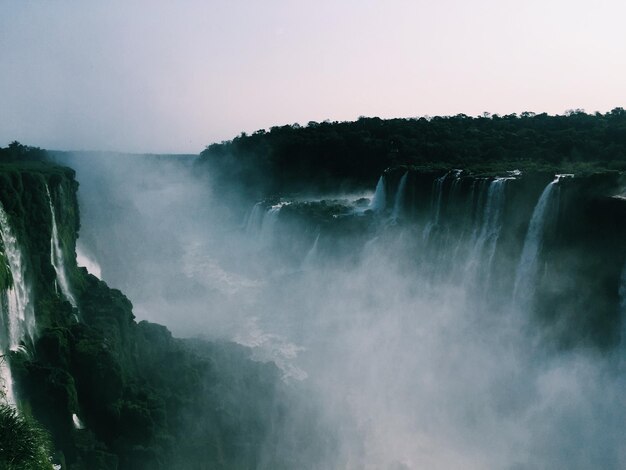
pixel 554 242
pixel 113 393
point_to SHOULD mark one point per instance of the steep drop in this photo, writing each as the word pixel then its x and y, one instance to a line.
pixel 526 269
pixel 57 257
pixel 16 309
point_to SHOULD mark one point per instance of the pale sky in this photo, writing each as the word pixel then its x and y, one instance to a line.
pixel 174 76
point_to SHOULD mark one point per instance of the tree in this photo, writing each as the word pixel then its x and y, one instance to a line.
pixel 17 152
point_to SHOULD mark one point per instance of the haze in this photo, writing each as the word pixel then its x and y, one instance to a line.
pixel 403 338
pixel 176 76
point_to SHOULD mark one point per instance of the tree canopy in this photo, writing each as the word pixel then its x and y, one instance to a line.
pixel 16 152
pixel 355 153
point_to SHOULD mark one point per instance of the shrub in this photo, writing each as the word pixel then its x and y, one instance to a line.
pixel 24 445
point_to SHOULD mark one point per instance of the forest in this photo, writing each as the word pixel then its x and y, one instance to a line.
pixel 328 155
pixel 98 389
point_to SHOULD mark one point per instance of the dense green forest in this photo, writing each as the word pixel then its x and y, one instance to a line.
pixel 332 155
pixel 16 152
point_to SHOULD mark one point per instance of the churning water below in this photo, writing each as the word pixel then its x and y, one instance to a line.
pixel 402 332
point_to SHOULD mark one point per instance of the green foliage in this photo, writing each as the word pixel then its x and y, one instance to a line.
pixel 139 391
pixel 24 199
pixel 353 154
pixel 16 152
pixel 24 445
pixel 148 398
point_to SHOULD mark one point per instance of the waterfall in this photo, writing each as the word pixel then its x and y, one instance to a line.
pixel 312 253
pixel 261 223
pixel 532 243
pixel 6 381
pixel 255 218
pixel 16 309
pixel 622 292
pixel 622 308
pixel 479 204
pixel 78 424
pixel 21 316
pixel 456 185
pixel 486 238
pixel 57 258
pixel 268 225
pixel 379 201
pixel 398 206
pixel 435 206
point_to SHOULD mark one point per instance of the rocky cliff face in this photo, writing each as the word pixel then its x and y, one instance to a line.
pixel 113 393
pixel 551 244
pixel 116 393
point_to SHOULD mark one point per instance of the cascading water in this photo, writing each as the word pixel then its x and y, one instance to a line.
pixel 470 219
pixel 78 424
pixel 436 202
pixel 6 381
pixel 21 319
pixel 527 266
pixel 412 373
pixel 57 258
pixel 622 308
pixel 18 317
pixel 486 238
pixel 398 206
pixel 268 225
pixel 379 201
pixel 255 219
pixel 312 254
pixel 622 291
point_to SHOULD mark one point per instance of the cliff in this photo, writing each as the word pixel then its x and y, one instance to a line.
pixel 549 245
pixel 112 393
pixel 328 156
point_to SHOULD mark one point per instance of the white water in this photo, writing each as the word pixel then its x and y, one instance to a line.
pixel 271 347
pixel 398 206
pixel 622 292
pixel 16 309
pixel 310 257
pixel 527 266
pixel 21 317
pixel 486 238
pixel 6 381
pixel 57 258
pixel 268 225
pixel 622 312
pixel 255 219
pixel 78 424
pixel 409 374
pixel 436 202
pixel 379 201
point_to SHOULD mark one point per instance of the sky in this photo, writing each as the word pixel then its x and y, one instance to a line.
pixel 174 76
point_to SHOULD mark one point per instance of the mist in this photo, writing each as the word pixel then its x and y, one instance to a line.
pixel 401 334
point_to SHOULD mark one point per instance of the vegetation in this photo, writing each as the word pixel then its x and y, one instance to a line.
pixel 140 392
pixel 16 152
pixel 24 445
pixel 329 156
pixel 146 398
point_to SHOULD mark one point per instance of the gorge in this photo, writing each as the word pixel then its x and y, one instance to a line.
pixel 414 316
